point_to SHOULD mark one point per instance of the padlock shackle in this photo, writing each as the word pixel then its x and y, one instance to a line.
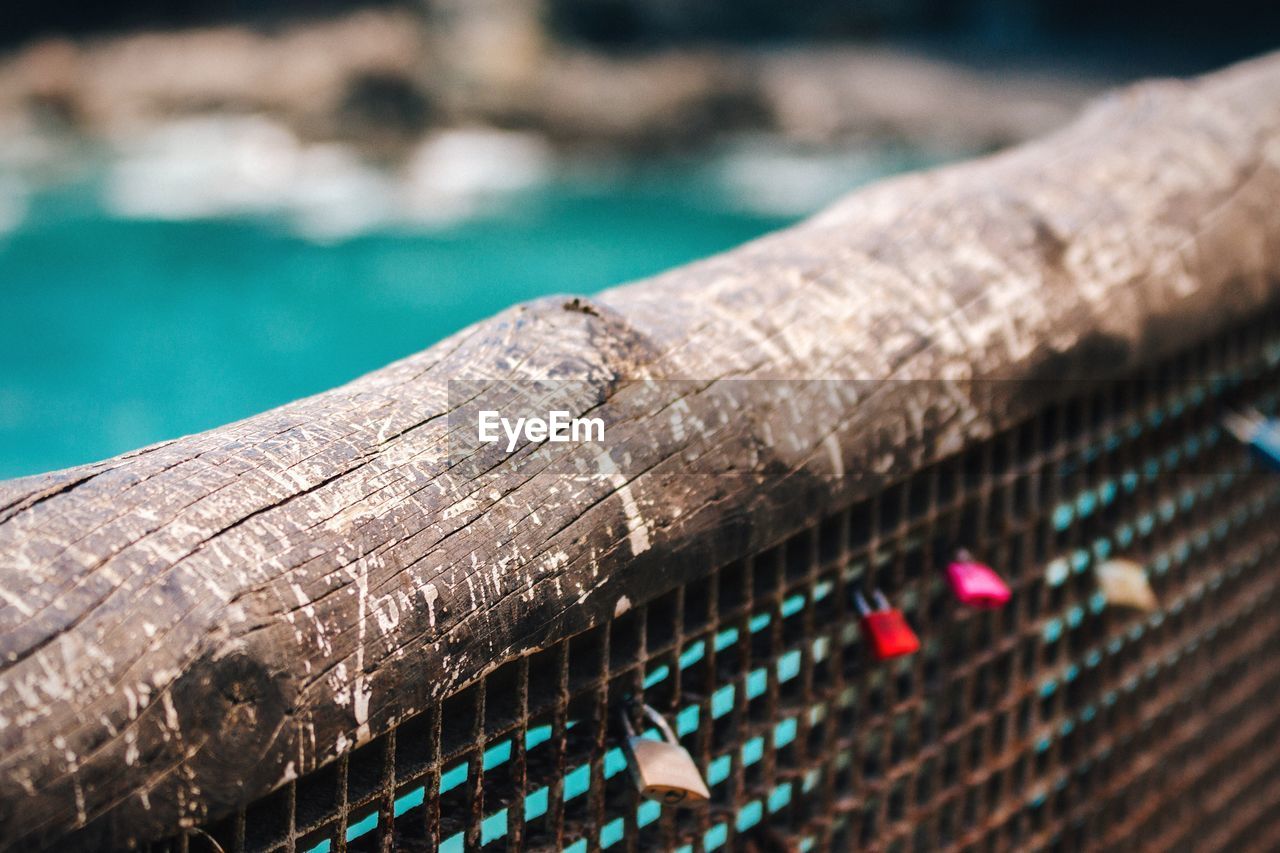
pixel 652 716
pixel 659 721
pixel 629 729
pixel 863 608
pixel 1244 425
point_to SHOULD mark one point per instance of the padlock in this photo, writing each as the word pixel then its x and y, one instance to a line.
pixel 886 628
pixel 1261 433
pixel 976 584
pixel 663 770
pixel 1124 583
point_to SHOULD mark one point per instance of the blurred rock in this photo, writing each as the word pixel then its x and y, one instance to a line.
pixel 379 81
pixel 828 94
pixel 661 101
pixel 303 75
pixel 486 52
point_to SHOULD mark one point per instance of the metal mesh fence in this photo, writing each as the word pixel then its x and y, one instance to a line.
pixel 1059 722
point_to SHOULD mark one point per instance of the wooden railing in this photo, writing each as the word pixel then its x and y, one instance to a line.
pixel 187 627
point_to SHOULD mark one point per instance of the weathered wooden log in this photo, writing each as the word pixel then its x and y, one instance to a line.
pixel 186 627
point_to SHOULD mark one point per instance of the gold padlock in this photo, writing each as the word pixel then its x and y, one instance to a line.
pixel 1124 583
pixel 663 770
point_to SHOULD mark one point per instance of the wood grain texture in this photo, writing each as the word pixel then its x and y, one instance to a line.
pixel 185 627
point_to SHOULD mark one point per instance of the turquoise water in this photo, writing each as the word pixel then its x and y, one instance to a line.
pixel 116 333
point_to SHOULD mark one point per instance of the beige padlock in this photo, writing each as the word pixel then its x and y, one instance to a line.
pixel 1125 584
pixel 663 770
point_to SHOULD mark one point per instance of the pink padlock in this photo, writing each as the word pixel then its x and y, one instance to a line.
pixel 976 584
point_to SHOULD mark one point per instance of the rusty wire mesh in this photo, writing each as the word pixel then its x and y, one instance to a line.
pixel 1060 722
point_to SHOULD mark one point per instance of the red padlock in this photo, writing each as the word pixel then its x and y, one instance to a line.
pixel 976 584
pixel 886 628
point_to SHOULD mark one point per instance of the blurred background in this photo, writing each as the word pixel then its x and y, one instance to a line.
pixel 212 207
